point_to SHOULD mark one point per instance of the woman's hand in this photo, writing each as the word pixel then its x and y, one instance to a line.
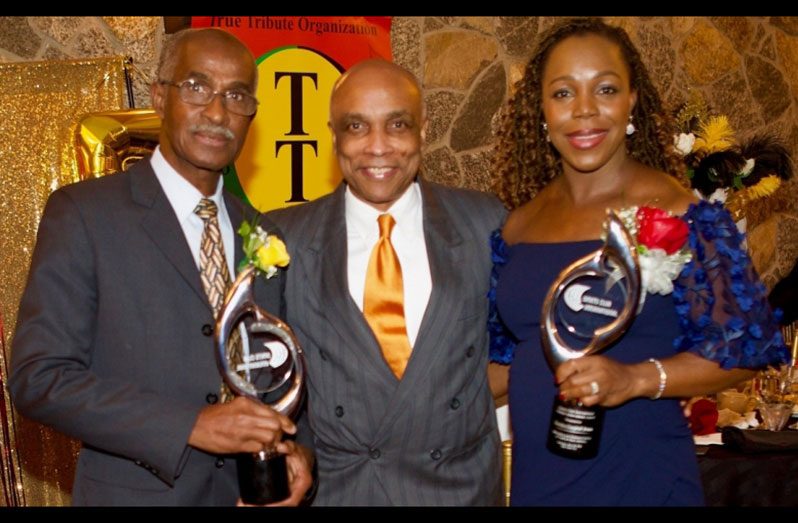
pixel 599 380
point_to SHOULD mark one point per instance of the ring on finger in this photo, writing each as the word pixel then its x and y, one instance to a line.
pixel 594 388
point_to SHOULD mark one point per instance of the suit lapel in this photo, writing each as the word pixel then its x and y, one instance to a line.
pixel 443 250
pixel 161 225
pixel 443 309
pixel 330 252
pixel 235 212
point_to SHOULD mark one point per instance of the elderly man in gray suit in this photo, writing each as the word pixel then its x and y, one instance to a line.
pixel 115 338
pixel 387 293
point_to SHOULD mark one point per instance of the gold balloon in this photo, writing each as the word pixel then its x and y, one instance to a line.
pixel 111 141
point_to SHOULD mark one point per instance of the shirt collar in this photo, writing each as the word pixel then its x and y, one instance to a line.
pixel 363 217
pixel 183 196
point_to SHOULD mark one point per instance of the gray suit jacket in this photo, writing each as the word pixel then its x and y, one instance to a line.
pixel 114 345
pixel 431 438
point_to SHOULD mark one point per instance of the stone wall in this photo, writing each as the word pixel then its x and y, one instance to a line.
pixel 73 37
pixel 745 67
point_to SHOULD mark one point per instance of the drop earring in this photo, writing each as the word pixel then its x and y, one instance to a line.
pixel 630 127
pixel 546 131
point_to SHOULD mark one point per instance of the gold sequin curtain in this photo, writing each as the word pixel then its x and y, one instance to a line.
pixel 40 103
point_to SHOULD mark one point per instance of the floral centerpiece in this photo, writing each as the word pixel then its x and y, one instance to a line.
pixel 743 175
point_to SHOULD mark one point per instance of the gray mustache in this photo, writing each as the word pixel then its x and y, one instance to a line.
pixel 212 129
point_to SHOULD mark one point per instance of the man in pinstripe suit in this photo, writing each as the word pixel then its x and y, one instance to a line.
pixel 428 437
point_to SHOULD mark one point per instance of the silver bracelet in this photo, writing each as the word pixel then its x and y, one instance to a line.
pixel 663 378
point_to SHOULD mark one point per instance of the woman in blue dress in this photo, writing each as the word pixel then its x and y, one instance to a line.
pixel 586 132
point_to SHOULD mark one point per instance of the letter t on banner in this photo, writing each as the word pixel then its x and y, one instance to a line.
pixel 288 156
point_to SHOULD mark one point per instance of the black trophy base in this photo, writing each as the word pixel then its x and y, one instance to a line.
pixel 262 478
pixel 575 430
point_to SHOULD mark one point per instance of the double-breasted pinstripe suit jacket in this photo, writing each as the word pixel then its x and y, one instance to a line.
pixel 431 437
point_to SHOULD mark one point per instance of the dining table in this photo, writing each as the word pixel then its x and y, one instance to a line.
pixel 751 473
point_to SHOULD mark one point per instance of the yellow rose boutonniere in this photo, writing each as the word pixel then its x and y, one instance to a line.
pixel 263 251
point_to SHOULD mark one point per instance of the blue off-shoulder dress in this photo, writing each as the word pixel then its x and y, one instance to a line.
pixel 718 310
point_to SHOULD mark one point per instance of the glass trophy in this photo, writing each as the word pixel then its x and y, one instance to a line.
pixel 590 304
pixel 259 357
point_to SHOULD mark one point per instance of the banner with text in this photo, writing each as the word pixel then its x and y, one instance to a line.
pixel 288 156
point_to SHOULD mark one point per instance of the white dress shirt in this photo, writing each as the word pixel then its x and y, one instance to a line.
pixel 407 238
pixel 184 198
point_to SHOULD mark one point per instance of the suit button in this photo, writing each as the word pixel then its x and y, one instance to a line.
pixel 470 351
pixel 207 330
pixel 339 411
pixel 211 398
pixel 138 462
pixel 219 463
pixel 374 453
pixel 155 472
pixel 436 454
pixel 454 404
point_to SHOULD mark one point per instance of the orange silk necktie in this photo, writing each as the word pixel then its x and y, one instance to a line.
pixel 383 300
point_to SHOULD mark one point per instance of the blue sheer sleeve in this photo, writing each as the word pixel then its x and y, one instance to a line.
pixel 723 310
pixel 502 342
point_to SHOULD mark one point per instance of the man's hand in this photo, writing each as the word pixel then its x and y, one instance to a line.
pixel 243 425
pixel 300 478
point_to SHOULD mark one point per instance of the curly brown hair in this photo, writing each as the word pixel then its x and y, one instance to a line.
pixel 526 162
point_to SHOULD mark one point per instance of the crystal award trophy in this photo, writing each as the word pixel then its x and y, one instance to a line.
pixel 580 302
pixel 265 364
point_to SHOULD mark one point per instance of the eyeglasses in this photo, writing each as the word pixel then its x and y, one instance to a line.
pixel 196 92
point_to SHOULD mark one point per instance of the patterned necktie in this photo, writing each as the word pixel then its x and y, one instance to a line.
pixel 383 300
pixel 215 275
pixel 213 264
